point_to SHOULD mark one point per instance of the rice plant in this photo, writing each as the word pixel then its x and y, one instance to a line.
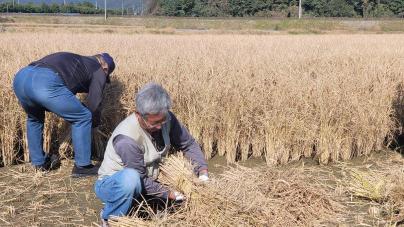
pixel 281 97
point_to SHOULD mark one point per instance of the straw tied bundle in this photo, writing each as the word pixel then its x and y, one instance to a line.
pixel 385 188
pixel 239 197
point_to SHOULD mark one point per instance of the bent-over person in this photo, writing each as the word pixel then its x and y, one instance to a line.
pixel 50 84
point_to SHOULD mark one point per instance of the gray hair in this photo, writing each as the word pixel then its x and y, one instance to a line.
pixel 152 98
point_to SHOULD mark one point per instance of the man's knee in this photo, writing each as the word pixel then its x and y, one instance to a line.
pixel 85 117
pixel 131 181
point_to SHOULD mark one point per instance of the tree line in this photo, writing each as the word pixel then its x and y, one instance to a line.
pixel 79 7
pixel 235 8
pixel 282 8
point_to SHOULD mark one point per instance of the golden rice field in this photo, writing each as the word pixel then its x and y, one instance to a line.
pixel 282 98
pixel 330 97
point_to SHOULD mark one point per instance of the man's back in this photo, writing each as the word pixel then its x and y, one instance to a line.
pixel 75 70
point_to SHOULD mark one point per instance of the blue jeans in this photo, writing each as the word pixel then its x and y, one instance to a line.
pixel 118 191
pixel 39 90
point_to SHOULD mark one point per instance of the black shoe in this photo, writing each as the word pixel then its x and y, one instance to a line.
pixel 84 171
pixel 51 162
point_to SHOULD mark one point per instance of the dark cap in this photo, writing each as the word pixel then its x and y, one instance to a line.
pixel 110 62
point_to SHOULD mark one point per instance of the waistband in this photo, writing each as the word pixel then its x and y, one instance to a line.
pixel 45 66
pixel 42 65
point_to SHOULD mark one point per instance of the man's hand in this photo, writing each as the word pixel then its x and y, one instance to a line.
pixel 203 175
pixel 176 196
pixel 179 197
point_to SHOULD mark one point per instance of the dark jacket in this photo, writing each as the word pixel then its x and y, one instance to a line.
pixel 81 74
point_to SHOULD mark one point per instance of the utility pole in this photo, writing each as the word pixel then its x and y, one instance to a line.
pixel 105 10
pixel 13 3
pixel 300 9
pixel 122 8
pixel 96 4
pixel 141 13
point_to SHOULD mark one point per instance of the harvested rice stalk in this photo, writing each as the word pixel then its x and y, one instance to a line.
pixel 396 196
pixel 204 205
pixel 286 198
pixel 98 143
pixel 65 147
pixel 176 172
pixel 129 222
pixel 381 183
pixel 241 197
pixel 369 186
pixel 203 200
pixel 397 200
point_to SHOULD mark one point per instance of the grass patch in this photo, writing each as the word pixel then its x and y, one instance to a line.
pixel 289 25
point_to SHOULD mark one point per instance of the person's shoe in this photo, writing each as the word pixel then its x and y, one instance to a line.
pixel 44 167
pixel 51 162
pixel 104 222
pixel 84 171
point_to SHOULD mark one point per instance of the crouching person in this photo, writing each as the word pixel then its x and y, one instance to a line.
pixel 135 149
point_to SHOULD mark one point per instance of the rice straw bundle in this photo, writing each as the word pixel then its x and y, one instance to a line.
pixel 367 185
pixel 384 188
pixel 176 172
pixel 240 197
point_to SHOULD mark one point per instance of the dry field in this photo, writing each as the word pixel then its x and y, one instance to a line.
pixel 260 25
pixel 362 193
pixel 297 194
pixel 328 98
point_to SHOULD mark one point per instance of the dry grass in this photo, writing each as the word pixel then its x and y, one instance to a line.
pixel 243 197
pixel 30 198
pixel 300 193
pixel 368 186
pixel 284 97
pixel 373 186
pixel 384 186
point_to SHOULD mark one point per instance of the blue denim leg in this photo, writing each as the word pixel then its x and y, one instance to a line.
pixel 39 89
pixel 35 116
pixel 118 191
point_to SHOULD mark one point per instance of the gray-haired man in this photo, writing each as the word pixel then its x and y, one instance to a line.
pixel 135 149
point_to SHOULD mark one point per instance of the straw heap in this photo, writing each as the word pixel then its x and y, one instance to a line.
pixel 240 197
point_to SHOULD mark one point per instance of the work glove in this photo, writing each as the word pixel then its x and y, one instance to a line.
pixel 204 177
pixel 179 197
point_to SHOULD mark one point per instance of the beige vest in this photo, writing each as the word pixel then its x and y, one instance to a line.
pixel 130 127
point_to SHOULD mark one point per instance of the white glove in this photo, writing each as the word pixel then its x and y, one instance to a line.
pixel 178 196
pixel 203 177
